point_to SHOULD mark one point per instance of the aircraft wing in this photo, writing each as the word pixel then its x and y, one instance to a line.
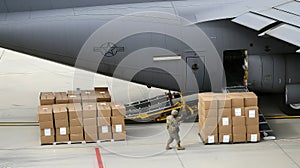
pixel 281 21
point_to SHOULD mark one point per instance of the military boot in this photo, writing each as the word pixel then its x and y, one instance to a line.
pixel 180 148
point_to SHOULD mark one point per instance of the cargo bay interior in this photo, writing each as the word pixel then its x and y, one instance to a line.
pixel 24 77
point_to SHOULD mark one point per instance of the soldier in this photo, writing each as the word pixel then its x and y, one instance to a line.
pixel 173 122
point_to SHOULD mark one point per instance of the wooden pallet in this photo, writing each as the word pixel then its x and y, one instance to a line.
pixel 69 142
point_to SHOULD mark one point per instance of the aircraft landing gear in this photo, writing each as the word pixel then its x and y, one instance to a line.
pixel 289 109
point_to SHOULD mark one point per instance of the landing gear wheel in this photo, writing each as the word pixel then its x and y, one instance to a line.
pixel 289 109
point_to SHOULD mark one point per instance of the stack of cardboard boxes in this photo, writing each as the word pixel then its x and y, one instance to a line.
pixel 76 116
pixel 232 117
pixel 75 120
pixel 238 118
pixel 224 118
pixel 104 121
pixel 208 117
pixel 90 122
pixel 45 118
pixel 61 122
pixel 118 121
pixel 252 117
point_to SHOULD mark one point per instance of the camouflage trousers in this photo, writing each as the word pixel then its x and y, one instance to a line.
pixel 173 135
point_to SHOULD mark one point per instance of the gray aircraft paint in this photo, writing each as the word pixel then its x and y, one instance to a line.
pixel 57 30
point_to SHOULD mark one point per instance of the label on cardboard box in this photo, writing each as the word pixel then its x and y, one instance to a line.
pixel 226 138
pixel 211 139
pixel 47 132
pixel 253 137
pixel 252 113
pixel 225 121
pixel 63 131
pixel 104 129
pixel 119 128
pixel 238 112
pixel 103 104
pixel 102 92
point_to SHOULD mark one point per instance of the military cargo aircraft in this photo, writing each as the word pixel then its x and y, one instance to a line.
pixel 255 43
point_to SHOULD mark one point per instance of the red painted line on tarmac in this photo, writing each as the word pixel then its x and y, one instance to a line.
pixel 99 159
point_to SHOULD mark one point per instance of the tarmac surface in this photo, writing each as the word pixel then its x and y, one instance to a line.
pixel 23 77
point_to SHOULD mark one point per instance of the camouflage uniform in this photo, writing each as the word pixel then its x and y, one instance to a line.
pixel 173 129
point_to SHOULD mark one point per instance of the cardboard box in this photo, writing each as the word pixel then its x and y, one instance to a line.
pixel 118 109
pixel 89 110
pixel 76 122
pixel 118 128
pixel 103 121
pixel 62 138
pixel 225 129
pixel 46 124
pixel 225 112
pixel 104 109
pixel 250 99
pixel 237 100
pixel 225 121
pixel 119 136
pixel 208 101
pixel 239 138
pixel 251 112
pixel 61 123
pixel 105 136
pixel 238 121
pixel 88 96
pixel 209 130
pixel 253 129
pixel 117 120
pixel 209 121
pixel 253 137
pixel 90 129
pixel 210 139
pixel 47 98
pixel 237 112
pixel 90 137
pixel 76 137
pixel 224 100
pixel 104 129
pixel 252 116
pixel 61 98
pixel 74 98
pixel 45 113
pixel 90 121
pixel 209 113
pixel 87 92
pixel 239 130
pixel 62 131
pixel 200 126
pixel 102 94
pixel 75 110
pixel 47 132
pixel 225 138
pixel 76 130
pixel 60 112
pixel 252 121
pixel 47 140
pixel 74 92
